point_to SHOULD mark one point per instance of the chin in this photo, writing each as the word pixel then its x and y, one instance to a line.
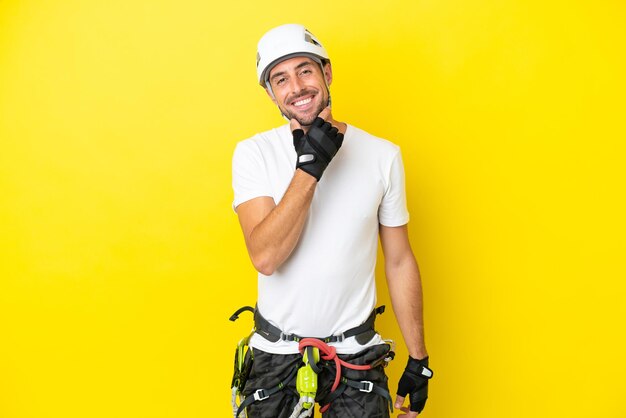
pixel 304 119
pixel 307 121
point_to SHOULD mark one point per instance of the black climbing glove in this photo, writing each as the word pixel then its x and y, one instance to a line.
pixel 414 382
pixel 317 147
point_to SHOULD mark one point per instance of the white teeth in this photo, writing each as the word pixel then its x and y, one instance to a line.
pixel 303 102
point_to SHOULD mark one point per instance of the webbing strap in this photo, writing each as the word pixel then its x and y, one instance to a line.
pixel 367 386
pixel 363 386
pixel 262 394
pixel 332 396
pixel 273 333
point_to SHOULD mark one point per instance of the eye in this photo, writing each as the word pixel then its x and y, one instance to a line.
pixel 280 81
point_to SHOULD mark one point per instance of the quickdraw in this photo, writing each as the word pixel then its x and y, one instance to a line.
pixel 243 364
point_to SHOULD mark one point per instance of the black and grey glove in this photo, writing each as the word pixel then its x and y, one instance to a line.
pixel 414 382
pixel 317 148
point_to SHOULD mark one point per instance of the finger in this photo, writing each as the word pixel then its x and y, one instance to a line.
pixel 405 410
pixel 294 124
pixel 399 402
pixel 325 114
pixel 318 122
pixel 337 140
pixel 298 135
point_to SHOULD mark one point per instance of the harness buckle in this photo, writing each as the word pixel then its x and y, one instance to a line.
pixel 367 386
pixel 340 337
pixel 289 337
pixel 260 395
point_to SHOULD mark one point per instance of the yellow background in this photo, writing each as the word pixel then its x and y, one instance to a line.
pixel 121 260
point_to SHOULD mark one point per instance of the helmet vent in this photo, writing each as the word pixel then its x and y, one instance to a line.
pixel 308 36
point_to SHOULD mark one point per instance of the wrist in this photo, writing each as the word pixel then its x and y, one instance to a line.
pixel 305 177
pixel 419 367
pixel 422 361
pixel 418 354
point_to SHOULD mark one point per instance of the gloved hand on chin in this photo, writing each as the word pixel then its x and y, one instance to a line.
pixel 317 147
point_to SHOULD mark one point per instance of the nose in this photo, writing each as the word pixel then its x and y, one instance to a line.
pixel 296 85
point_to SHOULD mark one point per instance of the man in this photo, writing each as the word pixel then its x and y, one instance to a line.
pixel 312 198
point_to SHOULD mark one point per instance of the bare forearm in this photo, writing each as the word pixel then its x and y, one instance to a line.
pixel 405 288
pixel 271 242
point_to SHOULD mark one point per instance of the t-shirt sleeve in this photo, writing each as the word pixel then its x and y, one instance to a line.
pixel 249 174
pixel 392 210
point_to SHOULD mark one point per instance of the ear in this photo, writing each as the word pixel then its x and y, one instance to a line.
pixel 328 73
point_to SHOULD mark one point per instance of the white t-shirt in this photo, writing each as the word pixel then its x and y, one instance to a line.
pixel 327 284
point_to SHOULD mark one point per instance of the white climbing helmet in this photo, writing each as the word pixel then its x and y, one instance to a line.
pixel 284 42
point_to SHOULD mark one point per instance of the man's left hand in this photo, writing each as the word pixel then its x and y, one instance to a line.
pixel 405 409
pixel 414 382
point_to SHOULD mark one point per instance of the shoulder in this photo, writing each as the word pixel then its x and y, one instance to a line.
pixel 263 144
pixel 265 139
pixel 363 139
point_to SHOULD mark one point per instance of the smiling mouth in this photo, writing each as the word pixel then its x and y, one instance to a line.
pixel 303 102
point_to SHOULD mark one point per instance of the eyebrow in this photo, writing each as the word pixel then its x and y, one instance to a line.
pixel 281 73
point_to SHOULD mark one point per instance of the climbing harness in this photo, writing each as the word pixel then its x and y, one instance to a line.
pixel 316 354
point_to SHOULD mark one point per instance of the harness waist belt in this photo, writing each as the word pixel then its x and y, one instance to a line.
pixel 363 333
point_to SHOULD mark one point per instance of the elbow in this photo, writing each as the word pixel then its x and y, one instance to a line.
pixel 264 265
pixel 265 270
pixel 265 258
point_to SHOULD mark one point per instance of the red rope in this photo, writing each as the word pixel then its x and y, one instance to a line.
pixel 330 353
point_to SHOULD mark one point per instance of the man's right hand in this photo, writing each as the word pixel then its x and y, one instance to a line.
pixel 318 146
